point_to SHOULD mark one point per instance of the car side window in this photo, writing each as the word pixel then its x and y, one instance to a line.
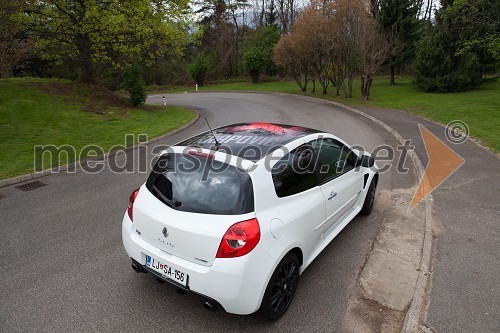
pixel 294 173
pixel 334 159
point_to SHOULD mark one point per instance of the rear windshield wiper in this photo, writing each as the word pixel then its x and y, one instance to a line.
pixel 169 202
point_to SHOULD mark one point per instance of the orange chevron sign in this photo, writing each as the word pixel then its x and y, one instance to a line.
pixel 443 161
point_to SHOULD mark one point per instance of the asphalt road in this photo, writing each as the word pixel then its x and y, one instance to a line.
pixel 63 267
pixel 465 276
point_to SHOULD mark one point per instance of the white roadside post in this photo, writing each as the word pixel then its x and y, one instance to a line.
pixel 197 87
pixel 164 101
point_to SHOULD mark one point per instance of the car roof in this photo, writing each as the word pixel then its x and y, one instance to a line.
pixel 251 141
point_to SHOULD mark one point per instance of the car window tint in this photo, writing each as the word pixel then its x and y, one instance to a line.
pixel 200 185
pixel 334 159
pixel 294 173
pixel 347 157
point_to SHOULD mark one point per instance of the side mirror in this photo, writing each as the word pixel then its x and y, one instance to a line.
pixel 367 161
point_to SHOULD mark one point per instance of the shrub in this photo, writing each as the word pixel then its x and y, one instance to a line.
pixel 254 61
pixel 266 39
pixel 199 68
pixel 134 84
pixel 440 69
pixel 461 47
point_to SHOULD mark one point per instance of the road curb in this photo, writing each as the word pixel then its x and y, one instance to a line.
pixel 475 141
pixel 63 168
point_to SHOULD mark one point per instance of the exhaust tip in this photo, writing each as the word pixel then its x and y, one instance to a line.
pixel 135 267
pixel 209 306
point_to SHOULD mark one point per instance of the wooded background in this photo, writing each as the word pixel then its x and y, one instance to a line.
pixel 447 45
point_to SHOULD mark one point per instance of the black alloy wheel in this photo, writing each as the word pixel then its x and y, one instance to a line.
pixel 370 198
pixel 281 288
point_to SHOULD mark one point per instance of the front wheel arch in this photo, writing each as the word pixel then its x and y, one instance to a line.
pixel 367 207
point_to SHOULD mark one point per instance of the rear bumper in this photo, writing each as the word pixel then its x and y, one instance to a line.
pixel 237 284
pixel 204 298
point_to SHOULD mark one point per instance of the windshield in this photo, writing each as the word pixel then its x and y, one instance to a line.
pixel 200 185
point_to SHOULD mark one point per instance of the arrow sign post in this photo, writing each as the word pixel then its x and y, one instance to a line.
pixel 443 161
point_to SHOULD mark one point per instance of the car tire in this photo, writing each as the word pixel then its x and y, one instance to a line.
pixel 281 288
pixel 370 198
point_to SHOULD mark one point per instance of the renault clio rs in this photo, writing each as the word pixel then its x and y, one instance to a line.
pixel 237 213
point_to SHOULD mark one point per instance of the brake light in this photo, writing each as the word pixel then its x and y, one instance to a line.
pixel 239 239
pixel 201 154
pixel 131 200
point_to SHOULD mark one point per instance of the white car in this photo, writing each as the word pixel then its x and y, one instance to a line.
pixel 238 213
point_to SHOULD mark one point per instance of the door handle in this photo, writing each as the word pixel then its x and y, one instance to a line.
pixel 332 195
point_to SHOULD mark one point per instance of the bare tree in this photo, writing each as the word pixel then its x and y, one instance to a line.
pixel 424 9
pixel 359 46
pixel 288 55
pixel 348 21
pixel 331 42
pixel 373 49
pixel 222 33
pixel 288 12
pixel 279 13
pixel 309 43
pixel 314 40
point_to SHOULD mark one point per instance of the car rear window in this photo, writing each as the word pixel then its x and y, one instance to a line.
pixel 201 185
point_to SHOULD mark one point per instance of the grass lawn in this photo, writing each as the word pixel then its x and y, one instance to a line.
pixel 479 108
pixel 42 112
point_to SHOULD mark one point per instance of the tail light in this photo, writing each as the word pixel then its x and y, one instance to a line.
pixel 131 200
pixel 239 239
pixel 201 154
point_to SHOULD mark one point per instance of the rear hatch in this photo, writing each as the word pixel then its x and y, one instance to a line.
pixel 189 202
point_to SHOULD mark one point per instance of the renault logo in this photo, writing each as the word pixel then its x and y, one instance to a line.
pixel 165 232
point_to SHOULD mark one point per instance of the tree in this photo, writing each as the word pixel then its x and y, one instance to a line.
pixel 398 19
pixel 349 20
pixel 14 44
pixel 439 70
pixel 288 55
pixel 374 49
pixel 287 13
pixel 254 61
pixel 461 48
pixel 426 8
pixel 331 42
pixel 285 55
pixel 476 28
pixel 446 3
pixel 303 50
pixel 264 38
pixel 134 84
pixel 320 43
pixel 221 33
pixel 114 31
pixel 280 14
pixel 199 68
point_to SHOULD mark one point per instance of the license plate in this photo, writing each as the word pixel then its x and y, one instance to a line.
pixel 167 271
